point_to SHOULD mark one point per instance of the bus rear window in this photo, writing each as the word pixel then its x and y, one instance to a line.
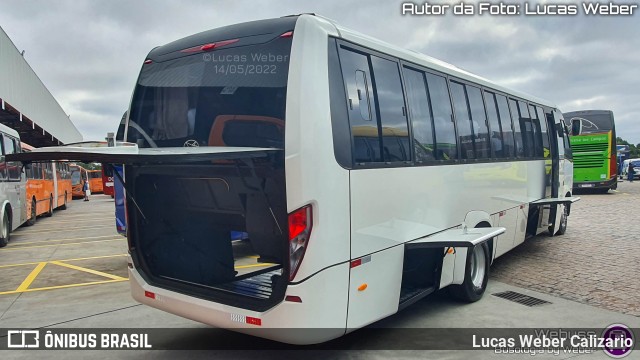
pixel 226 97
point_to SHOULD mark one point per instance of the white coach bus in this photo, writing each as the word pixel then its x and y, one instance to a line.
pixel 295 175
pixel 13 212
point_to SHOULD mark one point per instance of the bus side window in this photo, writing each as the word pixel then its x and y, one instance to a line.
pixel 544 133
pixel 14 168
pixel 479 122
pixel 442 118
pixel 463 121
pixel 391 109
pixel 497 143
pixel 527 130
pixel 3 164
pixel 420 113
pixel 365 131
pixel 517 132
pixel 506 126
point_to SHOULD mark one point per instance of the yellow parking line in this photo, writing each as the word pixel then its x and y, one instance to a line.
pixel 60 230
pixel 62 286
pixel 91 218
pixel 67 244
pixel 95 272
pixel 76 259
pixel 254 265
pixel 50 240
pixel 32 276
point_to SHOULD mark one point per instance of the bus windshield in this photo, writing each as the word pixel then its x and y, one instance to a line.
pixel 227 97
pixel 593 123
pixel 75 177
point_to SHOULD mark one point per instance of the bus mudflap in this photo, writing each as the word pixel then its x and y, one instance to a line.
pixel 459 237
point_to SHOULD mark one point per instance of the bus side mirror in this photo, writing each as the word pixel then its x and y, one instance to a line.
pixel 576 126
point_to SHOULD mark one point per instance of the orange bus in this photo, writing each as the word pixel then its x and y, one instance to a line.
pixel 48 187
pixel 95 181
pixel 78 177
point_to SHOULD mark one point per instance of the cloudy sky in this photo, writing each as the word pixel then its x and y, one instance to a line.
pixel 88 53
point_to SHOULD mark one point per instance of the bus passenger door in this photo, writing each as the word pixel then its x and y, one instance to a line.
pixel 555 125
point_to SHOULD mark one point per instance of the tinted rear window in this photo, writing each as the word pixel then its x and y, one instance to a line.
pixel 226 97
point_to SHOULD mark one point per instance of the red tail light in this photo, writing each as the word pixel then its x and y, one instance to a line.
pixel 287 34
pixel 300 224
pixel 209 47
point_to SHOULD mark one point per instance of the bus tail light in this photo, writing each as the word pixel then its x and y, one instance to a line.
pixel 300 224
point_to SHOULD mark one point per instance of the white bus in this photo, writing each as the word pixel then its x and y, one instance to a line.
pixel 364 176
pixel 12 186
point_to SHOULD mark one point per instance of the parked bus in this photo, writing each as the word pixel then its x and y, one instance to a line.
pixel 48 187
pixel 95 181
pixel 12 186
pixel 107 181
pixel 341 232
pixel 78 177
pixel 593 143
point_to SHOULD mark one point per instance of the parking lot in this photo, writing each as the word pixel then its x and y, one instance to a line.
pixel 70 271
pixel 594 263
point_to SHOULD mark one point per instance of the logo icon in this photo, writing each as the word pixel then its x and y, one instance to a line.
pixel 191 143
pixel 23 339
pixel 622 333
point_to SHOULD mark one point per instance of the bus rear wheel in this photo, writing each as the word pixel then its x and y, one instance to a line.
pixel 64 205
pixel 476 275
pixel 50 212
pixel 32 218
pixel 5 232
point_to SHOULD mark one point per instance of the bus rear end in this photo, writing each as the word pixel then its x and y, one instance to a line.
pixel 228 88
pixel 107 180
pixel 78 176
pixel 593 144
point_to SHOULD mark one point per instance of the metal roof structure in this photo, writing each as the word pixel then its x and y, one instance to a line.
pixel 26 105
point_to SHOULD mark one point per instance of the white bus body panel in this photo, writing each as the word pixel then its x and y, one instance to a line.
pixel 383 277
pixel 393 206
pixel 320 317
pixel 312 174
pixel 507 219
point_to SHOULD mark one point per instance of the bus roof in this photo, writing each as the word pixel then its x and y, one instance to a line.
pixel 264 30
pixel 588 112
pixel 5 129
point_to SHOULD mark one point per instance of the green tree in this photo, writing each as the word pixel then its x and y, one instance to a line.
pixel 91 166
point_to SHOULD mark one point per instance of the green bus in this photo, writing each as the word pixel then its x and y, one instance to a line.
pixel 593 143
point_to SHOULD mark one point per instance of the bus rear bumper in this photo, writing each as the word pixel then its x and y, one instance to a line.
pixel 606 184
pixel 319 317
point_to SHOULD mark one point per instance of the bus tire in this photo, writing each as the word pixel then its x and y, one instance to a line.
pixel 34 213
pixel 50 212
pixel 64 205
pixel 476 275
pixel 5 232
pixel 563 221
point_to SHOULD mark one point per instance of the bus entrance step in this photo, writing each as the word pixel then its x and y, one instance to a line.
pixel 409 296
